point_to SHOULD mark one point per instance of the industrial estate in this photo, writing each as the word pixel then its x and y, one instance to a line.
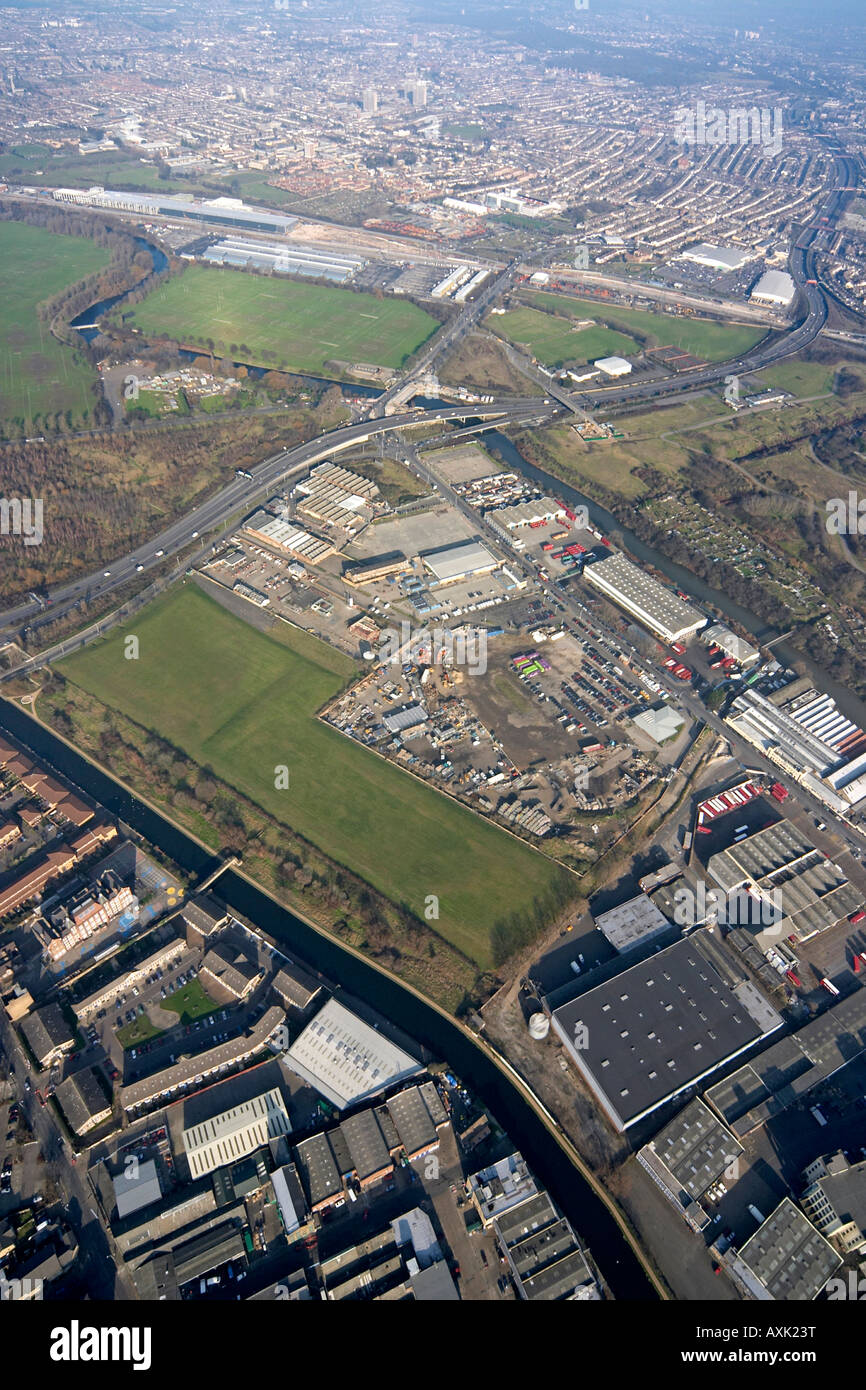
pixel 433 708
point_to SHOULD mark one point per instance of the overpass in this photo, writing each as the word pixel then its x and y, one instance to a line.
pixel 238 498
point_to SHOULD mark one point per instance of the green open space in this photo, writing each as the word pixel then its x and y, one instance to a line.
pixel 38 375
pixel 283 323
pixel 245 704
pixel 139 1031
pixel 555 340
pixel 712 342
pixel 190 1002
pixel 41 166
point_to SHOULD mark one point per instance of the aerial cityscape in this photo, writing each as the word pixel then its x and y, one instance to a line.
pixel 433 664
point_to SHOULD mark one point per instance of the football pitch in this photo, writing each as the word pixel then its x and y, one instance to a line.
pixel 711 341
pixel 38 375
pixel 283 323
pixel 555 340
pixel 244 703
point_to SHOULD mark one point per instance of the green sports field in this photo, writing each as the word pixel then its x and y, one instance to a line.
pixel 712 342
pixel 304 325
pixel 555 340
pixel 244 703
pixel 38 375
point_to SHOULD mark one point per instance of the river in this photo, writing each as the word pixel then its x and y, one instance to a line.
pixel 85 324
pixel 589 1215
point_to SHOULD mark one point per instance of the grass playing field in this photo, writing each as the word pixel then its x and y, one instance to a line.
pixel 244 703
pixel 713 342
pixel 38 375
pixel 305 326
pixel 555 340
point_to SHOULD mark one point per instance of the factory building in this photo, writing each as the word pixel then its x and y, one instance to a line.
pixel 661 724
pixel 801 891
pixel 225 212
pixel 538 512
pixel 688 1157
pixel 345 1059
pixel 810 739
pixel 776 289
pixel 281 535
pixel 786 1260
pixel 382 567
pixel 335 497
pixel 662 1026
pixel 659 610
pixel 632 924
pixel 785 1074
pixel 720 636
pixel 303 261
pixel 235 1133
pixel 451 563
pixel 717 257
pixel 456 277
pixel 613 366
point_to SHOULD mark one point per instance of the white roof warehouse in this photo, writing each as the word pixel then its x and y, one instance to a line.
pixel 644 597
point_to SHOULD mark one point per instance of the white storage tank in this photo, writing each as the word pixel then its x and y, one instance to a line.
pixel 539 1026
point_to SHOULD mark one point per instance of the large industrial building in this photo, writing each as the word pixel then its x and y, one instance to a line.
pixel 452 563
pixel 533 513
pixel 776 289
pixel 235 1133
pixel 717 257
pixel 224 212
pixel 613 366
pixel 791 1068
pixel 345 1059
pixel 282 260
pixel 281 535
pixel 653 1031
pixel 801 890
pixel 810 739
pixel 786 1259
pixel 688 1157
pixel 659 610
pixel 335 497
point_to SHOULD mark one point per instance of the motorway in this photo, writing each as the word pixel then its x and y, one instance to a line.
pixel 240 496
pixel 243 493
pixel 801 265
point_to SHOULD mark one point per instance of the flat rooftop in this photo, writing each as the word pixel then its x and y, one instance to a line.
pixel 656 606
pixel 345 1059
pixel 632 922
pixel 455 561
pixel 696 1148
pixel 661 1026
pixel 788 1256
pixel 787 1071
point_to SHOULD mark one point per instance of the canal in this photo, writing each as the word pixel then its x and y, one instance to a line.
pixel 587 1212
